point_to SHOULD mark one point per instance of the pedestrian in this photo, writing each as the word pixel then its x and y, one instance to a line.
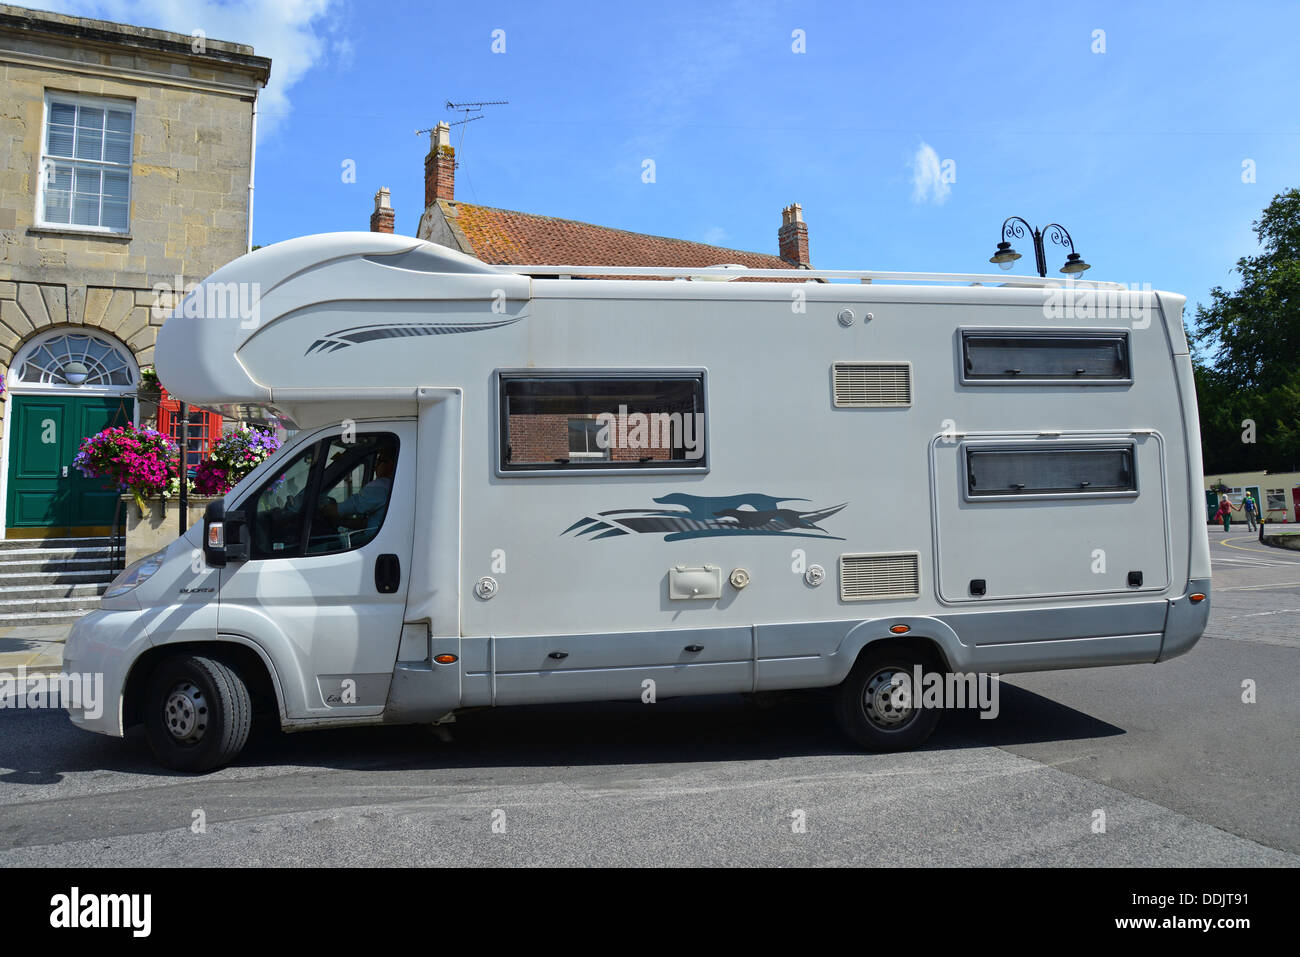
pixel 1252 511
pixel 1224 514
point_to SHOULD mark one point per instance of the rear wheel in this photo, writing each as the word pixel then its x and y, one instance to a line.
pixel 877 704
pixel 197 713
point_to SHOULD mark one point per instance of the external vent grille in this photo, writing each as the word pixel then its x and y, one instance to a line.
pixel 872 385
pixel 865 577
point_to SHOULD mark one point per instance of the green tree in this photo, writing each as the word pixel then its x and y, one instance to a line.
pixel 1248 364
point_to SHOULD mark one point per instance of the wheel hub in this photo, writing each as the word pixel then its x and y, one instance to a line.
pixel 888 703
pixel 186 713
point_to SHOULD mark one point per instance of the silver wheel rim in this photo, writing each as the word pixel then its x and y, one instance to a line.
pixel 886 705
pixel 185 713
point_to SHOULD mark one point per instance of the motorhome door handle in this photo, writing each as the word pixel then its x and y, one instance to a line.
pixel 694 647
pixel 558 655
pixel 388 574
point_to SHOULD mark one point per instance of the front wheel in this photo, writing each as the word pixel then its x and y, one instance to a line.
pixel 197 713
pixel 877 704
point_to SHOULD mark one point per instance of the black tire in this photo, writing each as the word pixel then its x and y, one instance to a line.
pixel 868 714
pixel 198 713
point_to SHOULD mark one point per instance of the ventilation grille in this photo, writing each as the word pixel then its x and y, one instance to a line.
pixel 872 385
pixel 864 577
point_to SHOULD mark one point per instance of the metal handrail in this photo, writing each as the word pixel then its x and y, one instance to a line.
pixel 117 540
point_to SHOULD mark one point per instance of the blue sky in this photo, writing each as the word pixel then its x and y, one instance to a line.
pixel 1137 150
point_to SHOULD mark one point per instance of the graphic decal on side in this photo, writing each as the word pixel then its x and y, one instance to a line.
pixel 359 334
pixel 698 516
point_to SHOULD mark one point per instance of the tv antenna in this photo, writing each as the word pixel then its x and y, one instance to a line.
pixel 466 108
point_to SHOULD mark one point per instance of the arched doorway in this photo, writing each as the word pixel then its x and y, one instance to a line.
pixel 64 384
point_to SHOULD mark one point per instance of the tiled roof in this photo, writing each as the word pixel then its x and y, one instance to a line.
pixel 506 237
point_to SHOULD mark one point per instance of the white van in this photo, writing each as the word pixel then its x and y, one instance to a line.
pixel 514 486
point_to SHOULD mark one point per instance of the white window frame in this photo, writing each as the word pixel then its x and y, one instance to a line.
pixel 600 455
pixel 94 102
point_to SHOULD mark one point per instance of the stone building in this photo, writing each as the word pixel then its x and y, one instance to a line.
pixel 126 173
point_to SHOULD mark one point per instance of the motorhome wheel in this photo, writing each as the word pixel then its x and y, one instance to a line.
pixel 197 714
pixel 875 703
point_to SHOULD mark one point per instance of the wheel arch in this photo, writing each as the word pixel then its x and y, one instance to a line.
pixel 936 638
pixel 246 657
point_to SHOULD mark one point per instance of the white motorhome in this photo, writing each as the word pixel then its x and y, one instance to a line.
pixel 525 485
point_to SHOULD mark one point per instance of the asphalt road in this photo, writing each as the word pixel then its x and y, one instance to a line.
pixel 1184 772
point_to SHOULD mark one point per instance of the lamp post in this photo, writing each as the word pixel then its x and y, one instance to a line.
pixel 1015 228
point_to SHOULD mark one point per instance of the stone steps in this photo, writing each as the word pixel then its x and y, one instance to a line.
pixel 53 581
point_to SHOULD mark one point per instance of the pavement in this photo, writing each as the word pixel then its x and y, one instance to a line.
pixel 38 648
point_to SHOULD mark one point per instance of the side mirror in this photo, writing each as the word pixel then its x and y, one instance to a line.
pixel 222 538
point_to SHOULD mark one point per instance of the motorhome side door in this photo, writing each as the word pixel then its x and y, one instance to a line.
pixel 329 535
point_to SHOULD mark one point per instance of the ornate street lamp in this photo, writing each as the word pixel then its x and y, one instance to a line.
pixel 1015 228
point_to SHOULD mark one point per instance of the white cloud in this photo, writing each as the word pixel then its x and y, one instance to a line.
pixel 297 35
pixel 714 236
pixel 927 177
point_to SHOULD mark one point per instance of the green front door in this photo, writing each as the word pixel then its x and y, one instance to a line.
pixel 46 494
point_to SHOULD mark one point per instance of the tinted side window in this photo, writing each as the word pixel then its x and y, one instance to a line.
pixel 1081 357
pixel 276 512
pixel 355 487
pixel 610 421
pixel 332 497
pixel 1083 471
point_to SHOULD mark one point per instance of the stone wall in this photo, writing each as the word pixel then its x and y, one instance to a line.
pixel 193 102
pixel 159 526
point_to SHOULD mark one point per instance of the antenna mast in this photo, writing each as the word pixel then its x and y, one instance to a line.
pixel 466 108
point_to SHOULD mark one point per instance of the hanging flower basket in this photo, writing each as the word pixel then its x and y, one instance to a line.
pixel 142 462
pixel 233 456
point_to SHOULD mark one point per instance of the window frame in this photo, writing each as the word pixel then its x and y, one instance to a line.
pixel 79 100
pixel 600 467
pixel 311 493
pixel 599 455
pixel 318 488
pixel 966 333
pixel 208 433
pixel 1128 446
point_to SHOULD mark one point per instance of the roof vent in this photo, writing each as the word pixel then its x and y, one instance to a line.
pixel 882 575
pixel 872 385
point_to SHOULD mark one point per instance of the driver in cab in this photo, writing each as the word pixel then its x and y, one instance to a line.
pixel 365 509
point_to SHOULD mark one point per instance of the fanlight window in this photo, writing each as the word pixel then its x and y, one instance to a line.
pixel 54 362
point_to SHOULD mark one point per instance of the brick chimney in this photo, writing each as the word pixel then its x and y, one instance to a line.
pixel 440 167
pixel 382 219
pixel 793 236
